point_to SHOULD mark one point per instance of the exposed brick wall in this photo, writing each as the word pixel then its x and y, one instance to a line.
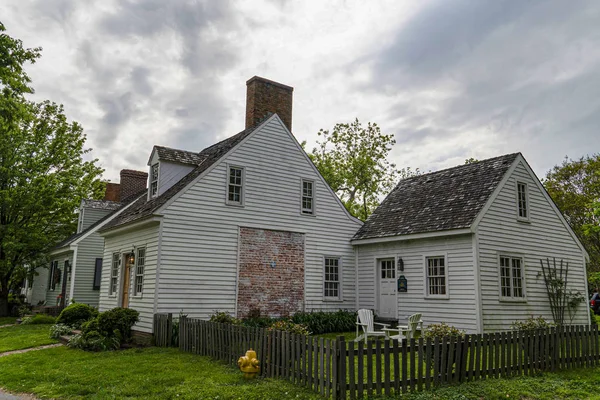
pixel 132 182
pixel 271 272
pixel 113 192
pixel 263 97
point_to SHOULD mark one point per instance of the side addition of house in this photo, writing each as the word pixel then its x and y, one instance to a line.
pixel 465 245
pixel 246 226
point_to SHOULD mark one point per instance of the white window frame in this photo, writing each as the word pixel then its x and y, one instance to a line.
pixel 426 275
pixel 512 298
pixel 138 279
pixel 113 287
pixel 527 204
pixel 340 280
pixel 242 186
pixel 306 211
pixel 154 179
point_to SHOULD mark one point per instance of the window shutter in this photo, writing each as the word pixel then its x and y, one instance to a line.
pixel 97 274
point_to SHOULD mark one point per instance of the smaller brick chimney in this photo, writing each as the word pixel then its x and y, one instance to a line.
pixel 113 192
pixel 263 97
pixel 132 182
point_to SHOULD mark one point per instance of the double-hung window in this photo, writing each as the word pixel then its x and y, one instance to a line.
pixel 235 186
pixel 437 276
pixel 308 197
pixel 139 271
pixel 522 202
pixel 114 273
pixel 154 180
pixel 511 278
pixel 331 288
pixel 54 275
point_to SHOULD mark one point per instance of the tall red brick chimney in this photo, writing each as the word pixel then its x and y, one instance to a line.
pixel 113 192
pixel 132 182
pixel 263 97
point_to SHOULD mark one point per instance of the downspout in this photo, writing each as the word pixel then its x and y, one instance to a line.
pixel 477 283
pixel 356 301
pixel 589 319
pixel 158 258
pixel 73 265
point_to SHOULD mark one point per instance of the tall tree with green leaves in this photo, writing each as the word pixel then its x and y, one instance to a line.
pixel 574 186
pixel 43 174
pixel 353 160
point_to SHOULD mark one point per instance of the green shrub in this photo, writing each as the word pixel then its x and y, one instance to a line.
pixel 222 317
pixel 319 322
pixel 76 314
pixel 38 319
pixel 593 318
pixel 94 341
pixel 531 323
pixel 117 322
pixel 59 330
pixel 289 326
pixel 441 331
pixel 258 322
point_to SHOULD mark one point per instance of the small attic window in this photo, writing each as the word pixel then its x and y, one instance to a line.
pixel 522 202
pixel 154 180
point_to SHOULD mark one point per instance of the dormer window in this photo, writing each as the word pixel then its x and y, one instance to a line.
pixel 154 180
pixel 522 202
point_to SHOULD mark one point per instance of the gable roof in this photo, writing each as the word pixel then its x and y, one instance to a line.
pixel 144 208
pixel 73 238
pixel 178 156
pixel 100 204
pixel 438 201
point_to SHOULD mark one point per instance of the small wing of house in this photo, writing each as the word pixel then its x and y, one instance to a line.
pixel 449 235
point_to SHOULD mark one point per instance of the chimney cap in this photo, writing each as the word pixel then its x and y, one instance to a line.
pixel 264 80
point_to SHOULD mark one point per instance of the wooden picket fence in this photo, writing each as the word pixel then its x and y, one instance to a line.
pixel 339 369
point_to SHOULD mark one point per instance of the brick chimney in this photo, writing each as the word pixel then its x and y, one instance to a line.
pixel 113 192
pixel 132 182
pixel 263 97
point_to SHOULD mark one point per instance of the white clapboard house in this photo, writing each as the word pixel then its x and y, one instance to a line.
pixel 463 246
pixel 245 226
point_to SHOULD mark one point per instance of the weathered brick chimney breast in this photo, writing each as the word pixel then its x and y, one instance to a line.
pixel 132 182
pixel 113 192
pixel 263 97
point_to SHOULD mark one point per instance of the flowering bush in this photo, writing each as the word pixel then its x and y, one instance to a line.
pixel 221 317
pixel 289 326
pixel 59 330
pixel 442 330
pixel 531 323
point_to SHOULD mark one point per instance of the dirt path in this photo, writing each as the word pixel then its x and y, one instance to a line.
pixel 48 346
pixel 5 326
pixel 9 396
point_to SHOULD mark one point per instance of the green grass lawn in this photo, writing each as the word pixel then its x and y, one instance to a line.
pixel 151 373
pixel 7 320
pixel 24 336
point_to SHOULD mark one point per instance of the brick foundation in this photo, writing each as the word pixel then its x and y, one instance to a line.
pixel 271 272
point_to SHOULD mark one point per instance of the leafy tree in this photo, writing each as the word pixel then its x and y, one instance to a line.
pixel 575 188
pixel 43 176
pixel 471 161
pixel 353 160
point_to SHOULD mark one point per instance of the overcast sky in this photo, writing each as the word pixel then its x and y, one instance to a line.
pixel 450 79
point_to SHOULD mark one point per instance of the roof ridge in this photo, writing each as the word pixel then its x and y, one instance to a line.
pixel 173 148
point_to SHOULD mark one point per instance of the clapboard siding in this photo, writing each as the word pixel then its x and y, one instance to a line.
pixel 458 310
pixel 123 243
pixel 199 253
pixel 51 295
pixel 91 215
pixel 544 236
pixel 88 250
pixel 170 173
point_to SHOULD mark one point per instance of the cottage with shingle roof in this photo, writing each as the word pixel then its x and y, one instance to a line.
pixel 463 246
pixel 245 226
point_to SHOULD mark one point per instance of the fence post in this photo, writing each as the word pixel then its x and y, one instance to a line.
pixel 340 385
pixel 169 329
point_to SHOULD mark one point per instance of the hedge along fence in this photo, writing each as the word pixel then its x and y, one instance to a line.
pixel 343 369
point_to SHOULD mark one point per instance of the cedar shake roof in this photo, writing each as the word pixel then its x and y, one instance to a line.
pixel 76 236
pixel 179 156
pixel 144 208
pixel 101 204
pixel 438 201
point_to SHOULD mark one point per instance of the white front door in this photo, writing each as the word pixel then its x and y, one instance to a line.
pixel 388 302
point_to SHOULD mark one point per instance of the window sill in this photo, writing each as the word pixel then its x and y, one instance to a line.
pixel 332 300
pixel 524 220
pixel 512 300
pixel 446 297
pixel 234 205
pixel 308 215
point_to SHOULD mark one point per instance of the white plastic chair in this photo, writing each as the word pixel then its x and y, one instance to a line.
pixel 365 320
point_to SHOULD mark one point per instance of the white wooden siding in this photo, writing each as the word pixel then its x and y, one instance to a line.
pixel 200 232
pixel 458 309
pixel 37 293
pixel 144 237
pixel 170 174
pixel 88 250
pixel 92 215
pixel 51 295
pixel 544 236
